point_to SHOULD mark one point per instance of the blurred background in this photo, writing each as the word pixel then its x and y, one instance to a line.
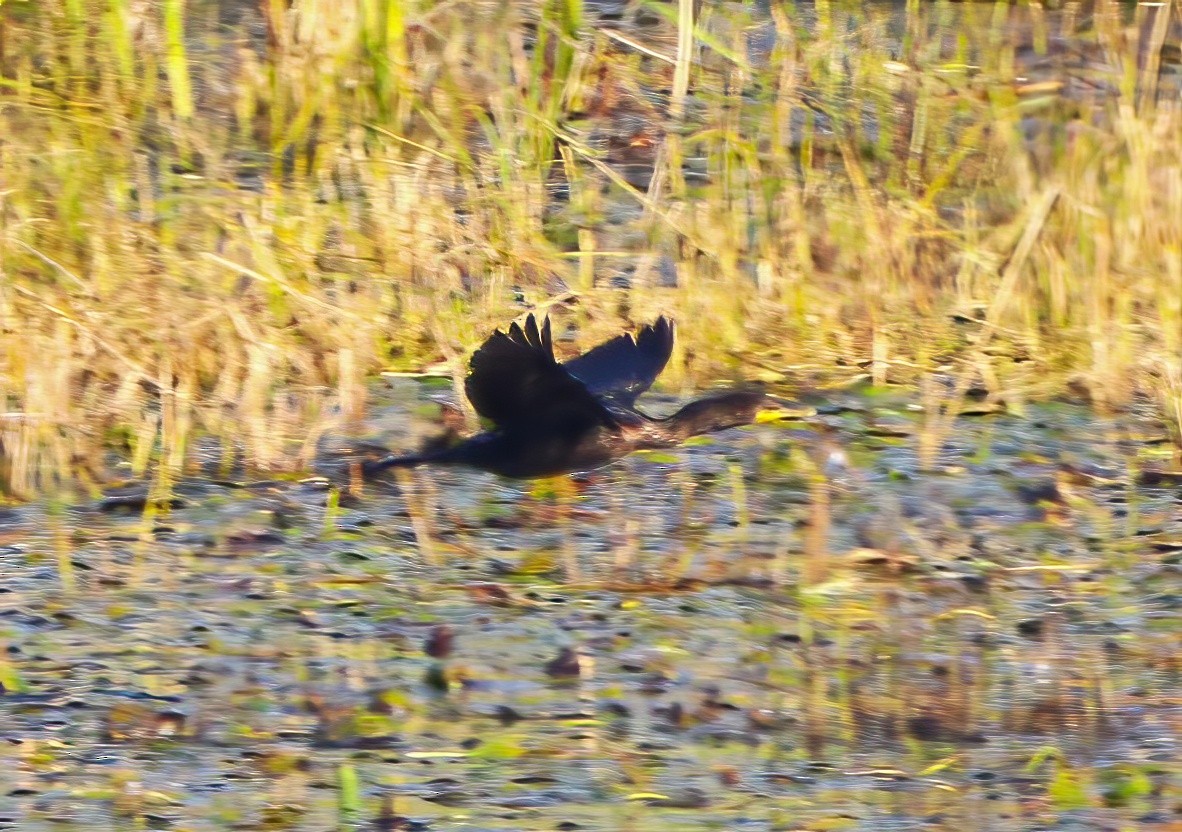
pixel 221 219
pixel 240 241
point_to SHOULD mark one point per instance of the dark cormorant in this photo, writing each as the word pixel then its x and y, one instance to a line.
pixel 550 418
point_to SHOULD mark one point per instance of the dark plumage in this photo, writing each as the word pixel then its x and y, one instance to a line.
pixel 550 418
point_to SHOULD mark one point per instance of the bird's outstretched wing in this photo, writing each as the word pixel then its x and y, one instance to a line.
pixel 515 383
pixel 624 367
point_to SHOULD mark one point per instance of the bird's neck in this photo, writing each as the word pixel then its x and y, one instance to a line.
pixel 704 416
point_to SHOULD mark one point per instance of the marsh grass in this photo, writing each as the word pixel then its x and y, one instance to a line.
pixel 222 227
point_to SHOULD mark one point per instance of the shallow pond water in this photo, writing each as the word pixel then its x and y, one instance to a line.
pixel 745 634
pixel 717 638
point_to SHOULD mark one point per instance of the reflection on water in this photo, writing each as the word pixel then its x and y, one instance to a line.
pixel 969 625
pixel 990 640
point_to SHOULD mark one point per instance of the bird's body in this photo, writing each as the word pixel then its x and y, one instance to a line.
pixel 517 455
pixel 551 418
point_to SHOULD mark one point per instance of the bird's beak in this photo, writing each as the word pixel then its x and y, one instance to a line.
pixel 777 410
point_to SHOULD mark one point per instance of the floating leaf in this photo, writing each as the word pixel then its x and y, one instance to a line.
pixel 940 765
pixel 1066 791
pixel 348 790
pixel 498 748
pixel 660 457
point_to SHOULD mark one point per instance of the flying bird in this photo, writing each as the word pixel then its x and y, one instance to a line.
pixel 549 418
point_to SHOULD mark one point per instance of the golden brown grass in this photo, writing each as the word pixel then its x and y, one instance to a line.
pixel 204 232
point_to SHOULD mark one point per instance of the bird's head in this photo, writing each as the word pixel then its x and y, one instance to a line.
pixel 738 407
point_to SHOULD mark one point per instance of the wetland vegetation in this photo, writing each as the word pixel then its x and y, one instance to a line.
pixel 244 244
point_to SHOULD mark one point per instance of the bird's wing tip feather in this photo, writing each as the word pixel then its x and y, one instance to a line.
pixel 528 336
